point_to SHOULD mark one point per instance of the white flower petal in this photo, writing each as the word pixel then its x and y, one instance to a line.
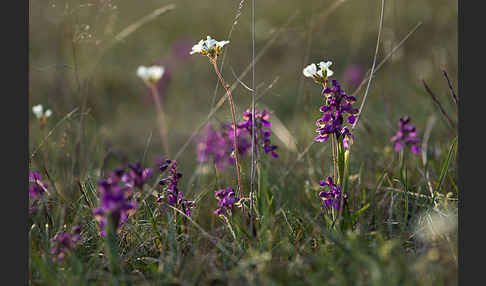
pixel 221 43
pixel 150 74
pixel 142 72
pixel 310 70
pixel 38 110
pixel 155 73
pixel 325 65
pixel 197 48
pixel 208 47
pixel 48 113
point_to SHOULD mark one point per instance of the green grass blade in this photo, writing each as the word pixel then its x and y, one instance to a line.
pixel 445 165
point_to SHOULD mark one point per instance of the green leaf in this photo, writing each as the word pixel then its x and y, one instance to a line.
pixel 445 165
pixel 356 214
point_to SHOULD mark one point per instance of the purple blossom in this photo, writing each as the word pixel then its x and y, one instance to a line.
pixel 64 242
pixel 331 196
pixel 406 135
pixel 116 201
pixel 244 138
pixel 262 132
pixel 218 145
pixel 226 201
pixel 170 187
pixel 137 176
pixel 338 115
pixel 36 186
pixel 213 145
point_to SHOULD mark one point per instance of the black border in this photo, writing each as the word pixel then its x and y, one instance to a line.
pixel 15 131
pixel 471 50
pixel 460 141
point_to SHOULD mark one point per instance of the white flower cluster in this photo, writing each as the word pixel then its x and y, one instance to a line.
pixel 210 47
pixel 151 74
pixel 319 75
pixel 38 111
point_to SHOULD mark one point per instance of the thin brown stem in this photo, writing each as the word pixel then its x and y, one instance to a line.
pixel 161 118
pixel 434 98
pixel 46 149
pixel 235 144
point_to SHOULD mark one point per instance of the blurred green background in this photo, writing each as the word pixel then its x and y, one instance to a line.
pixel 72 64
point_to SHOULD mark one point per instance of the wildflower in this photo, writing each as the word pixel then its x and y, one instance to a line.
pixel 262 131
pixel 320 74
pixel 338 105
pixel 218 145
pixel 150 75
pixel 137 176
pixel 244 143
pixel 226 201
pixel 331 197
pixel 212 144
pixel 36 186
pixel 406 135
pixel 38 111
pixel 170 183
pixel 210 47
pixel 64 242
pixel 115 202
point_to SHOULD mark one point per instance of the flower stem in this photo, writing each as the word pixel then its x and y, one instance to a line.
pixel 230 98
pixel 161 117
pixel 112 252
pixel 333 142
pixel 404 181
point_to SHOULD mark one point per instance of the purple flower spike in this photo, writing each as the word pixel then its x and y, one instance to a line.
pixel 137 176
pixel 337 108
pixel 218 145
pixel 115 198
pixel 226 201
pixel 262 132
pixel 332 196
pixel 36 186
pixel 64 242
pixel 406 135
pixel 174 195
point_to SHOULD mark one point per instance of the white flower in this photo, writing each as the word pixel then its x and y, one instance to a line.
pixel 150 74
pixel 38 111
pixel 209 47
pixel 325 66
pixel 48 113
pixel 310 70
pixel 319 75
